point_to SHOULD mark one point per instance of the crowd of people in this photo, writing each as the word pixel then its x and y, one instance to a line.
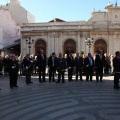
pixel 74 64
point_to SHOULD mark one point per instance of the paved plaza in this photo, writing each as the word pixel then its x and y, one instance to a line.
pixel 65 101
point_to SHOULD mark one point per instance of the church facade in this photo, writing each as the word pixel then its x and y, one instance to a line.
pixel 62 36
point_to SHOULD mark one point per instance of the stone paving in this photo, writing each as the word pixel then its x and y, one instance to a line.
pixel 64 101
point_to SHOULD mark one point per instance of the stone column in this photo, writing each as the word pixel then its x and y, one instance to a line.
pixel 60 44
pixel 83 44
pixel 24 49
pixel 32 46
pixel 79 43
pixel 51 44
pixel 57 45
pixel 48 46
pixel 21 44
pixel 53 39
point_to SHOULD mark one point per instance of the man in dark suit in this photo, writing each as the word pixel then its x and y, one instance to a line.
pixel 41 63
pixel 89 64
pixel 116 66
pixel 1 64
pixel 61 66
pixel 28 67
pixel 99 64
pixel 70 65
pixel 78 66
pixel 52 63
pixel 13 68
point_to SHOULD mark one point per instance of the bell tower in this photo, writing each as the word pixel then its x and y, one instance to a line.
pixel 14 2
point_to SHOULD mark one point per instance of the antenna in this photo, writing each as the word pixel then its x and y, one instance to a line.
pixel 116 4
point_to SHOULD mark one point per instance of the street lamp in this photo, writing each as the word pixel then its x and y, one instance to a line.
pixel 89 42
pixel 29 42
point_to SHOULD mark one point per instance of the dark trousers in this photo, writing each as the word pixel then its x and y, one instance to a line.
pixel 99 73
pixel 61 73
pixel 52 71
pixel 116 80
pixel 70 74
pixel 89 73
pixel 35 70
pixel 78 71
pixel 5 69
pixel 0 69
pixel 41 74
pixel 13 78
pixel 28 76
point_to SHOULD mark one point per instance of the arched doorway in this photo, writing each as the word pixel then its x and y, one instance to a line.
pixel 69 46
pixel 40 44
pixel 100 44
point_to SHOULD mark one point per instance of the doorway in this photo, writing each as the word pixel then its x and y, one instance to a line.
pixel 100 44
pixel 40 45
pixel 69 47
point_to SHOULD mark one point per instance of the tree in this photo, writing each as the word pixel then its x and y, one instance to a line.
pixel 81 52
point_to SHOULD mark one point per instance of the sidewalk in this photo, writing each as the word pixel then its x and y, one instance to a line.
pixel 51 101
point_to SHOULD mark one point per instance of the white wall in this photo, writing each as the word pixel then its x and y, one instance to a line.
pixel 1 38
pixel 99 16
pixel 10 30
pixel 20 14
pixel 30 18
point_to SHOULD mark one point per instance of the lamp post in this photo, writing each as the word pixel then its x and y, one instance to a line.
pixel 89 42
pixel 29 42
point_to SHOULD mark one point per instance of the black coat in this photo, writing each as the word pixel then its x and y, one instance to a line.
pixel 1 65
pixel 13 66
pixel 41 63
pixel 116 64
pixel 28 64
pixel 50 62
pixel 5 63
pixel 99 63
pixel 70 61
pixel 61 64
pixel 87 62
pixel 78 62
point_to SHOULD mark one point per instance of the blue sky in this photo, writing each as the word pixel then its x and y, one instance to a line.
pixel 68 10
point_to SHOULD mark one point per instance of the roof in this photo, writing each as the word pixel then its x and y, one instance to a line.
pixel 15 45
pixel 57 20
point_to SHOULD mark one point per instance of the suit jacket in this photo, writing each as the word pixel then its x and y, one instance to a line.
pixel 41 62
pixel 99 63
pixel 28 64
pixel 116 64
pixel 13 66
pixel 78 62
pixel 61 64
pixel 50 62
pixel 1 65
pixel 70 61
pixel 87 62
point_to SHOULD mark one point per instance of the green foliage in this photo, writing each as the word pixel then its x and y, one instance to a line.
pixel 81 52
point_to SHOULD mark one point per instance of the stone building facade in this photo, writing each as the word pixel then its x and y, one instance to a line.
pixel 19 14
pixel 9 30
pixel 61 36
pixel 12 16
